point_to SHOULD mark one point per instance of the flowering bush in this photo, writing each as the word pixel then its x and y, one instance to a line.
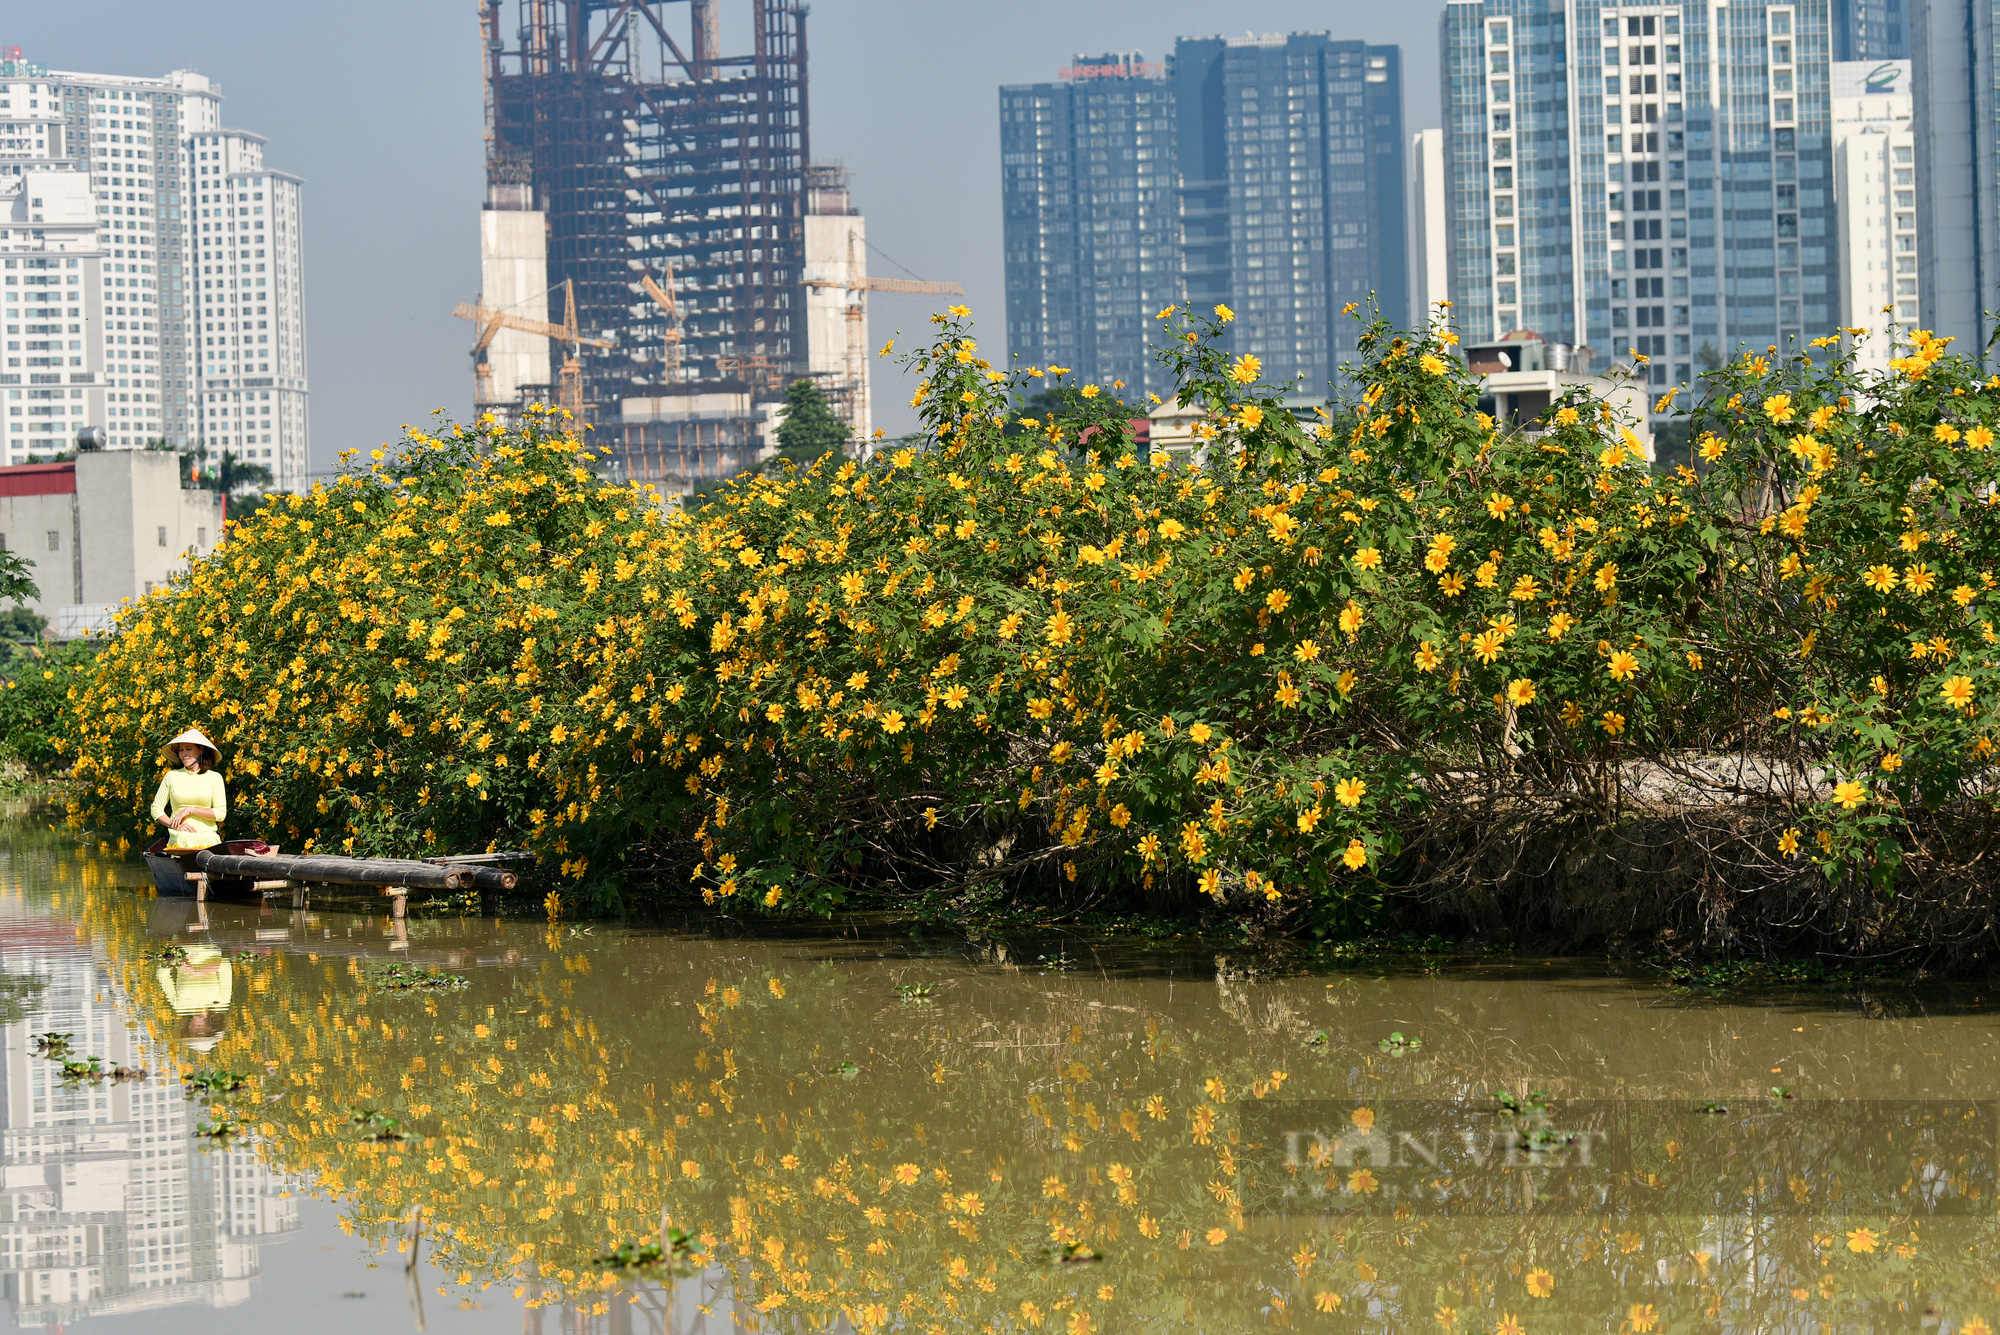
pixel 1032 652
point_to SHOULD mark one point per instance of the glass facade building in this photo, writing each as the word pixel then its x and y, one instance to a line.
pixel 1088 218
pixel 1262 172
pixel 1641 177
pixel 1871 29
pixel 1956 134
pixel 1292 192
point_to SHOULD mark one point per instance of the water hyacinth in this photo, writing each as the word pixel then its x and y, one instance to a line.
pixel 1035 654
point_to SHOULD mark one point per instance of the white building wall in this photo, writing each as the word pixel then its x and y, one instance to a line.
pixel 514 278
pixel 1875 196
pixel 836 252
pixel 1430 267
pixel 42 530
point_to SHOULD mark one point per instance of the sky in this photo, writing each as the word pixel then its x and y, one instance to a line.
pixel 377 105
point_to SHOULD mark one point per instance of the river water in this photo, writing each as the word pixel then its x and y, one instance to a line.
pixel 870 1129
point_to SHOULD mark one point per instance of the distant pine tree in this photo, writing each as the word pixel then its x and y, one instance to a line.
pixel 811 428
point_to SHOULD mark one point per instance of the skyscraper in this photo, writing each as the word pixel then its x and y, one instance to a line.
pixel 1292 192
pixel 178 255
pixel 1088 217
pixel 1872 30
pixel 1956 53
pixel 1645 177
pixel 1261 172
pixel 1874 186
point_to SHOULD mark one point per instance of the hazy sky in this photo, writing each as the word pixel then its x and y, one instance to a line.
pixel 377 106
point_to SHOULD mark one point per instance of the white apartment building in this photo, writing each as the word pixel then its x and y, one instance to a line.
pixel 245 272
pixel 1875 196
pixel 184 323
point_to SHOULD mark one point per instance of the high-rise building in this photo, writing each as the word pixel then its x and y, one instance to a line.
pixel 1875 198
pixel 1872 30
pixel 1089 224
pixel 1265 173
pixel 177 257
pixel 1605 190
pixel 1292 192
pixel 245 259
pixel 99 181
pixel 1956 59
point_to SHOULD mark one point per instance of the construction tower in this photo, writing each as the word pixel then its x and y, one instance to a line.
pixel 670 178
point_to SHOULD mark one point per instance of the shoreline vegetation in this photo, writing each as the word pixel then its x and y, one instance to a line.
pixel 1383 667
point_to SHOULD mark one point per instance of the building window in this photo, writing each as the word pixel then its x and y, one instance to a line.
pixel 163 535
pixel 55 539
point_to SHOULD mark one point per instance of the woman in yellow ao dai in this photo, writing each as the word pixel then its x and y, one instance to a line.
pixel 192 801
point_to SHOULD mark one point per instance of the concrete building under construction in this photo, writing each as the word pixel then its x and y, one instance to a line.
pixel 658 252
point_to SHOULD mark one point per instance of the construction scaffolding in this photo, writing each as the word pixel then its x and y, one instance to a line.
pixel 672 180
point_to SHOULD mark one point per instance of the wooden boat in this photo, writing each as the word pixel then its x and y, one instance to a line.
pixel 172 868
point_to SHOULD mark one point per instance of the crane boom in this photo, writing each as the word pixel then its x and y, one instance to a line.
pixel 663 297
pixel 892 285
pixel 501 320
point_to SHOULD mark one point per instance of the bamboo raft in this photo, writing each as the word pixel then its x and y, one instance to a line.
pixel 233 866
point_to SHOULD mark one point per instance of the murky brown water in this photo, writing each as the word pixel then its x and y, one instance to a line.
pixel 888 1131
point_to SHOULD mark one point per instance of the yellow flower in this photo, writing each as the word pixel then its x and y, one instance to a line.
pixel 1277 600
pixel 1520 692
pixel 1622 665
pixel 1559 625
pixel 1509 1325
pixel 1849 794
pixel 1881 578
pixel 1309 818
pixel 1526 589
pixel 1862 1239
pixel 1919 578
pixel 1957 691
pixel 1431 363
pixel 1326 1301
pixel 1351 617
pixel 1541 1283
pixel 1165 313
pixel 1613 722
pixel 1217 1236
pixel 1779 408
pixel 1606 578
pixel 1245 369
pixel 1788 842
pixel 1224 314
pixel 1356 856
pixel 1643 1316
pixel 1251 416
pixel 1368 558
pixel 1426 657
pixel 1349 792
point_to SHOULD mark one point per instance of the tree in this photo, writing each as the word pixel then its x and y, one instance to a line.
pixel 810 428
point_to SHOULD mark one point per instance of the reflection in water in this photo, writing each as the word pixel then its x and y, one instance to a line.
pixel 109 1202
pixel 878 1132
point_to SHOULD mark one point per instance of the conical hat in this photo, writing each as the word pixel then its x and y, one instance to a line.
pixel 195 736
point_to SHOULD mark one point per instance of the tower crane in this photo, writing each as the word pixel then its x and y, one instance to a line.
pixel 857 289
pixel 569 392
pixel 663 297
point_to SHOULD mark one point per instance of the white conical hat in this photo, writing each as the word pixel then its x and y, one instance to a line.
pixel 194 735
